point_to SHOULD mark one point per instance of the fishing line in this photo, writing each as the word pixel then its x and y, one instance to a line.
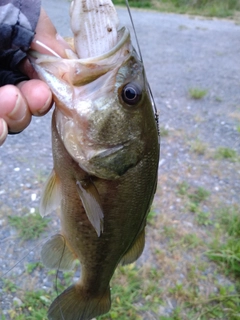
pixel 47 48
pixel 155 109
pixel 146 82
pixel 134 31
pixel 31 249
pixel 56 277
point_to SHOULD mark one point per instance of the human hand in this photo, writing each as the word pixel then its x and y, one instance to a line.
pixel 33 97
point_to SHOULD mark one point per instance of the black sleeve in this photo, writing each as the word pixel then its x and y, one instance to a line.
pixel 18 20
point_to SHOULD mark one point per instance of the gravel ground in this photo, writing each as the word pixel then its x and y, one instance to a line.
pixel 179 52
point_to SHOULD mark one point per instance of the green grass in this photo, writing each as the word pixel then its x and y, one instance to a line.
pixel 198 147
pixel 30 267
pixel 135 3
pixel 9 286
pixel 29 226
pixel 203 218
pixel 212 8
pixel 223 305
pixel 151 217
pixel 197 93
pixel 229 219
pixel 34 307
pixel 227 251
pixel 182 188
pixel 140 292
pixel 131 297
pixel 199 195
pixel 164 132
pixel 196 198
pixel 190 241
pixel 222 247
pixel 137 292
pixel 226 153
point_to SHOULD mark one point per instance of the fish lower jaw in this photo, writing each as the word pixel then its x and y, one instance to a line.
pixel 123 39
pixel 104 152
pixel 94 25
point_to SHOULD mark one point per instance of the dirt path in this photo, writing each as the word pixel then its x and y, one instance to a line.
pixel 180 53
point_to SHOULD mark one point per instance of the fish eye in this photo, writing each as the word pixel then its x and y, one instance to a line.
pixel 131 94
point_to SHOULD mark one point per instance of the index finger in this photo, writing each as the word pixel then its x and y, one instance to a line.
pixel 47 34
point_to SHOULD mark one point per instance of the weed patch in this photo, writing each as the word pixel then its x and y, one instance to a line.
pixel 30 267
pixel 9 286
pixel 34 307
pixel 198 147
pixel 199 195
pixel 226 153
pixel 29 226
pixel 229 219
pixel 151 217
pixel 130 296
pixel 203 218
pixel 197 93
pixel 217 8
pixel 220 306
pixel 183 188
pixel 164 132
pixel 227 253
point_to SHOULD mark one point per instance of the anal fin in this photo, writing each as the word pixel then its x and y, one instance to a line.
pixel 56 254
pixel 90 198
pixel 136 249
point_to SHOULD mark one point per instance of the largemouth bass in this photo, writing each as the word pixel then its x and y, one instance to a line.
pixel 106 152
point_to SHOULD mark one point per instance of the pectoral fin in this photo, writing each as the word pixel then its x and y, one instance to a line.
pixel 136 249
pixel 90 198
pixel 51 195
pixel 56 254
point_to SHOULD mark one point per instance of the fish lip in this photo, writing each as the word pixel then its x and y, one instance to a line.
pixel 111 150
pixel 124 38
pixel 106 152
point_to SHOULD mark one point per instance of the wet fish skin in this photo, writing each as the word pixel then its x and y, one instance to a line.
pixel 123 224
pixel 106 154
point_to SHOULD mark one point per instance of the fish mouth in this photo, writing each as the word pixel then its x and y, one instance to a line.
pixel 113 162
pixel 123 36
pixel 106 152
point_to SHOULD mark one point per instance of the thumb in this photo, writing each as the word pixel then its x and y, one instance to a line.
pixel 47 34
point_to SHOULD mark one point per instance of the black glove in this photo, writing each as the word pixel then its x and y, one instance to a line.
pixel 9 73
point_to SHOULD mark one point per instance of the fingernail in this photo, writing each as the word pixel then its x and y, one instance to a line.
pixel 3 131
pixel 59 37
pixel 46 106
pixel 19 110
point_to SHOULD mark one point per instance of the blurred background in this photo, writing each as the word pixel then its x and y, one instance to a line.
pixel 190 267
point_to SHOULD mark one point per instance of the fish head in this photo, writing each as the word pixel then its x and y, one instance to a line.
pixel 107 130
pixel 104 115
